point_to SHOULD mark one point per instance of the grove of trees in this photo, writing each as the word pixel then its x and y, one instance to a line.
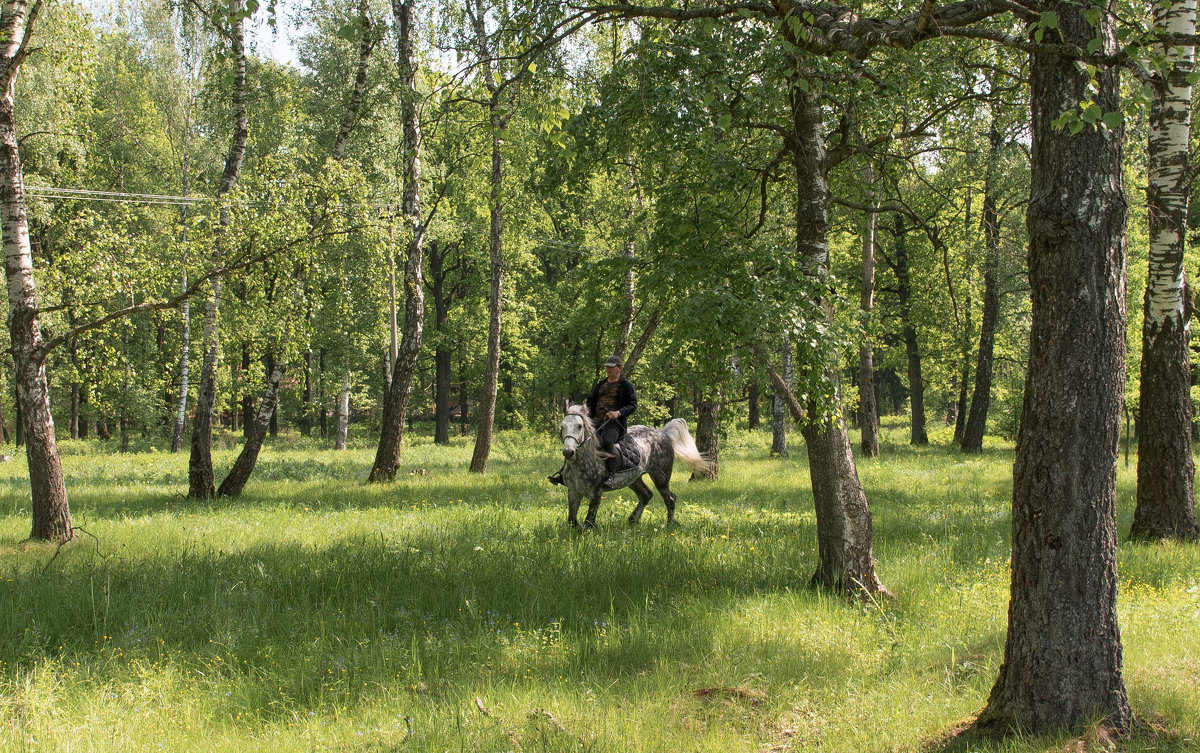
pixel 452 213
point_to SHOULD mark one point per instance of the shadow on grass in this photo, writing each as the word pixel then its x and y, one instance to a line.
pixel 445 603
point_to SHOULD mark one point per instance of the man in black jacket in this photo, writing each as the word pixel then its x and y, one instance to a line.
pixel 612 400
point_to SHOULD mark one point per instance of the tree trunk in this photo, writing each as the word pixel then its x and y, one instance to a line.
pixel 306 408
pixel 639 347
pixel 343 412
pixel 51 512
pixel 916 384
pixel 239 474
pixel 846 561
pixel 441 401
pixel 74 411
pixel 708 434
pixel 868 410
pixel 181 408
pixel 981 398
pixel 779 404
pixel 498 121
pixel 958 409
pixel 1062 656
pixel 4 433
pixel 201 481
pixel 395 406
pixel 625 328
pixel 1165 504
pixel 323 412
pixel 752 418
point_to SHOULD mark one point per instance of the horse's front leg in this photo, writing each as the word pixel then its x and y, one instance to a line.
pixel 593 506
pixel 573 498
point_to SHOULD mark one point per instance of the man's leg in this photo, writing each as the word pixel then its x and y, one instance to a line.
pixel 609 442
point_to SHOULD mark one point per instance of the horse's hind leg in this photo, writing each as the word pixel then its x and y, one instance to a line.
pixel 644 495
pixel 663 484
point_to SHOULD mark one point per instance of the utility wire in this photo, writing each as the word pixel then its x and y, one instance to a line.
pixel 122 197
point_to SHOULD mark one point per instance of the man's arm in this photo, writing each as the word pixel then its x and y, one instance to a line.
pixel 631 404
pixel 592 398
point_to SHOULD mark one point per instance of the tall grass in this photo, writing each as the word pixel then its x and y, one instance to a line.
pixel 456 612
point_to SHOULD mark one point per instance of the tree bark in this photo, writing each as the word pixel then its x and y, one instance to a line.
pixel 708 434
pixel 972 439
pixel 395 406
pixel 181 408
pixel 1165 503
pixel 844 533
pixel 343 413
pixel 498 115
pixel 912 350
pixel 186 317
pixel 779 404
pixel 243 467
pixel 868 411
pixel 639 347
pixel 51 511
pixel 201 481
pixel 752 399
pixel 1062 656
pixel 442 354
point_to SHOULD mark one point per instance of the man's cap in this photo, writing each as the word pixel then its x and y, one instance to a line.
pixel 613 361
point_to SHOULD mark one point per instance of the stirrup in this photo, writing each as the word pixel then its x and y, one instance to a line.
pixel 556 478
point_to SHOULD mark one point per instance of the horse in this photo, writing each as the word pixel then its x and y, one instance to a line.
pixel 585 468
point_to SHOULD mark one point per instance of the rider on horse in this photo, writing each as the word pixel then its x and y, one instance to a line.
pixel 611 401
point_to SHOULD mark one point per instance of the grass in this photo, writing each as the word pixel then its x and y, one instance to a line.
pixel 456 612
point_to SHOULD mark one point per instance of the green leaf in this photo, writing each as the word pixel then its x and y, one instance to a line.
pixel 725 120
pixel 347 32
pixel 1113 120
pixel 1049 20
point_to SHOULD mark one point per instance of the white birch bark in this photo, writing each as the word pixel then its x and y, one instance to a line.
pixel 1165 494
pixel 51 512
pixel 343 413
pixel 1168 179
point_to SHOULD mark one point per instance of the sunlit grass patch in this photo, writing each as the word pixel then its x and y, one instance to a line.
pixel 454 611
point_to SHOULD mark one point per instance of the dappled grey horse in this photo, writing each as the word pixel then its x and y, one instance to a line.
pixel 656 449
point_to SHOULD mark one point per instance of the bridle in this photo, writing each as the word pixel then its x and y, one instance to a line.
pixel 583 437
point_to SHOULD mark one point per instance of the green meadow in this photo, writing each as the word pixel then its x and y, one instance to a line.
pixel 451 611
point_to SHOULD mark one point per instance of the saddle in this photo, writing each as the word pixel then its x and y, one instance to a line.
pixel 628 462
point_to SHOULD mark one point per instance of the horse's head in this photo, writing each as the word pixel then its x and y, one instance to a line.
pixel 576 430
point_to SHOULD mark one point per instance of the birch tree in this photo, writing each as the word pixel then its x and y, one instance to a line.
pixel 51 511
pixel 395 406
pixel 201 483
pixel 1165 499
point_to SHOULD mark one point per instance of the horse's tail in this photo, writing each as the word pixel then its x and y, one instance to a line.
pixel 681 441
